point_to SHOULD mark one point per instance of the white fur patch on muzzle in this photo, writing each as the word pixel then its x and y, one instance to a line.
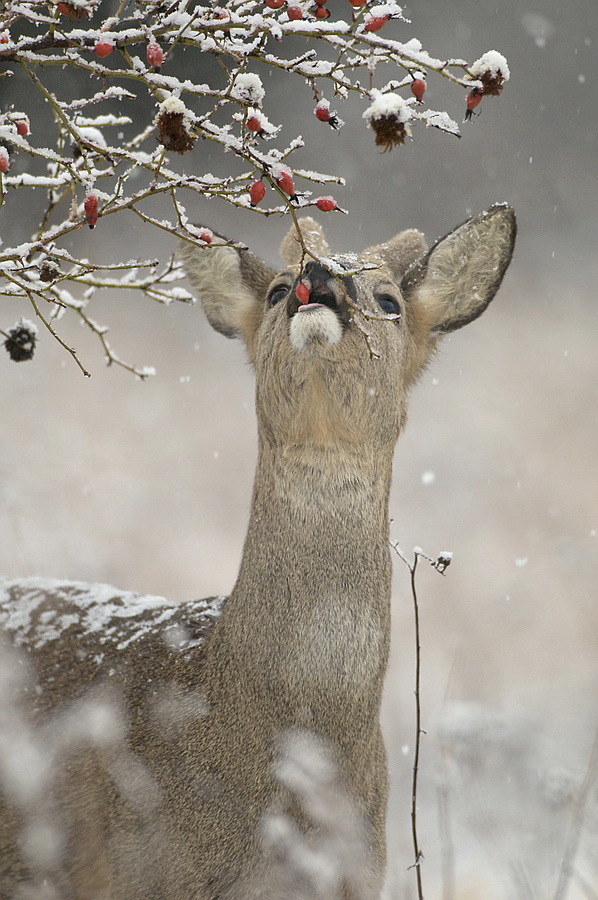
pixel 314 324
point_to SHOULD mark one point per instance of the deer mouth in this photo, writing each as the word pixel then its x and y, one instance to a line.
pixel 317 287
pixel 318 299
pixel 318 309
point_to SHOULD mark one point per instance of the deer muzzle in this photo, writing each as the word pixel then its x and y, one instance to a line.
pixel 317 287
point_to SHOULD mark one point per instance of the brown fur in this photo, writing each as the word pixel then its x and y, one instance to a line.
pixel 172 798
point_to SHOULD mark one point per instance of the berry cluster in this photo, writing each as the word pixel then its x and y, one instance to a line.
pixel 89 170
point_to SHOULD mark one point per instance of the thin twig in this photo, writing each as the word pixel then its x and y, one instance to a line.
pixel 57 336
pixel 441 563
pixel 418 732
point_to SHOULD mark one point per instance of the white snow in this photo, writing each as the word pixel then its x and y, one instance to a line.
pixel 266 127
pixel 387 105
pixel 386 9
pixel 435 119
pixel 318 68
pixel 93 135
pixel 538 27
pixel 100 121
pixel 113 616
pixel 114 93
pixel 28 324
pixel 493 62
pixel 174 106
pixel 34 181
pixel 248 88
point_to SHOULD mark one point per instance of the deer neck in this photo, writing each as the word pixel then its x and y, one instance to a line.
pixel 309 615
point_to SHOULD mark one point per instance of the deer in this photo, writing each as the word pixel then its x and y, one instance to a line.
pixel 210 749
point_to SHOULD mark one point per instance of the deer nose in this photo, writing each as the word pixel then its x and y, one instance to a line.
pixel 316 272
pixel 314 286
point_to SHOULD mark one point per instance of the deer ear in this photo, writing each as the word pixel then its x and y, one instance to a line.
pixel 453 283
pixel 399 253
pixel 231 284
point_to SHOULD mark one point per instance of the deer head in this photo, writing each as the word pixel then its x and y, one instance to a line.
pixel 337 340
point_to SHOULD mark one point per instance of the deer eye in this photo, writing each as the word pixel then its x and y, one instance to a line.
pixel 278 294
pixel 388 304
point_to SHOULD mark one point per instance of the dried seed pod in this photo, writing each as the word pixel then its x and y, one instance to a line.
pixel 174 126
pixel 20 343
pixel 49 269
pixel 493 71
pixel 388 116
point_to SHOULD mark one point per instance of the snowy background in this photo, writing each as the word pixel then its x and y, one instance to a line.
pixel 147 485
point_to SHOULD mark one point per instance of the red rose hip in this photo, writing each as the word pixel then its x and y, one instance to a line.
pixel 285 183
pixel 90 206
pixel 376 23
pixel 103 48
pixel 302 293
pixel 257 192
pixel 418 89
pixel 155 56
pixel 326 204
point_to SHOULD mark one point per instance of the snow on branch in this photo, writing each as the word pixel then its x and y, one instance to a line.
pixel 133 135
